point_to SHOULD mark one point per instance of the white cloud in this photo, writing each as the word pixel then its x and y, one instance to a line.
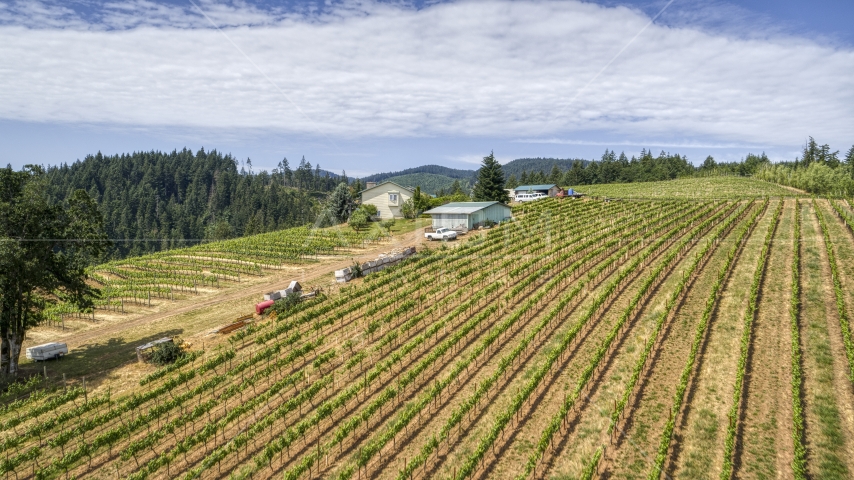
pixel 638 143
pixel 469 68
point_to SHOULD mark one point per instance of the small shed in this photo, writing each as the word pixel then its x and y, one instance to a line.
pixel 468 215
pixel 550 190
pixel 142 349
pixel 388 197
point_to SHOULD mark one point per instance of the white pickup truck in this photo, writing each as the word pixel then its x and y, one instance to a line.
pixel 441 234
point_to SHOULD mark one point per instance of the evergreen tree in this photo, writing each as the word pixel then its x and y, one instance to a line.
pixel 420 201
pixel 709 163
pixel 287 174
pixel 849 160
pixel 523 179
pixel 556 175
pixel 456 188
pixel 340 204
pixel 810 153
pixel 512 182
pixel 490 182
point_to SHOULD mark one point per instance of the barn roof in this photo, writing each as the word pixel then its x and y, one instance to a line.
pixel 534 187
pixel 463 207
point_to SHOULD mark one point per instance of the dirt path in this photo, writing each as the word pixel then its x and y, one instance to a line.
pixel 588 424
pixel 250 294
pixel 827 391
pixel 764 449
pixel 703 428
pixel 648 413
pixel 843 244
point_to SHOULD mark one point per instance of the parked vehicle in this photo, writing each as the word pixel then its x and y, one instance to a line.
pixel 530 197
pixel 47 351
pixel 441 234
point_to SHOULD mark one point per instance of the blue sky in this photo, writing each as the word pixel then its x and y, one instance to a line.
pixel 374 86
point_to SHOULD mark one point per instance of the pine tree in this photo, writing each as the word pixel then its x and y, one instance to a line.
pixel 490 182
pixel 556 175
pixel 512 182
pixel 810 153
pixel 849 160
pixel 340 203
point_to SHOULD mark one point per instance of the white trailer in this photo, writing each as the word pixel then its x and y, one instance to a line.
pixel 47 351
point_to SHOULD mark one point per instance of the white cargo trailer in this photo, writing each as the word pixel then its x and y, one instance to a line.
pixel 47 351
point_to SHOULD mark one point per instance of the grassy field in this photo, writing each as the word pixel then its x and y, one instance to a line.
pixel 622 339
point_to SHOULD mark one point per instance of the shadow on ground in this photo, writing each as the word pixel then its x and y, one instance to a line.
pixel 95 361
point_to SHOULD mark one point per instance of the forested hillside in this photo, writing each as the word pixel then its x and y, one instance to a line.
pixel 454 173
pixel 538 164
pixel 431 183
pixel 155 200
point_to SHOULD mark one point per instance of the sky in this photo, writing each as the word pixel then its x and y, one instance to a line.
pixel 371 86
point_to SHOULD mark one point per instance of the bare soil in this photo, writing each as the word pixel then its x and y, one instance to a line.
pixel 827 392
pixel 764 448
pixel 702 432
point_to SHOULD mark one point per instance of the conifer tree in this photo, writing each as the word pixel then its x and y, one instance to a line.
pixel 490 182
pixel 849 161
pixel 556 175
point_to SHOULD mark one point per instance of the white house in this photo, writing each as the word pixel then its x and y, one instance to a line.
pixel 388 197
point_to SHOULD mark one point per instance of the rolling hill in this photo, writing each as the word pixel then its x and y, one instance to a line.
pixel 429 182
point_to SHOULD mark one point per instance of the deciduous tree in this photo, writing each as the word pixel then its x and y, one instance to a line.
pixel 44 249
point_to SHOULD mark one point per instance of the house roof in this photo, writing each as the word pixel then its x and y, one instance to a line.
pixel 534 187
pixel 410 190
pixel 463 207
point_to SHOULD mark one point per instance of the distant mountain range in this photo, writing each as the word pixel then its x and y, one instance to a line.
pixel 453 173
pixel 432 178
pixel 430 182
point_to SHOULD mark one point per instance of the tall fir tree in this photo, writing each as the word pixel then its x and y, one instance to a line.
pixel 490 182
pixel 849 161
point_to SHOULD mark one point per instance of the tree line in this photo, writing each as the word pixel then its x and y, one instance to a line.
pixel 154 200
pixel 611 169
pixel 817 170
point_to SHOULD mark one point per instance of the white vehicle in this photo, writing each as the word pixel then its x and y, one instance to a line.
pixel 530 197
pixel 47 351
pixel 441 234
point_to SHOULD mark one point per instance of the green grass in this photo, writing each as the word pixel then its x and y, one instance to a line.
pixel 698 463
pixel 710 187
pixel 825 439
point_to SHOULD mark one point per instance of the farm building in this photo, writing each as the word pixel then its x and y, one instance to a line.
pixel 550 190
pixel 468 215
pixel 388 197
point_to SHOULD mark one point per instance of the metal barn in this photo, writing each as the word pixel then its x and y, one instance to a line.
pixel 468 215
